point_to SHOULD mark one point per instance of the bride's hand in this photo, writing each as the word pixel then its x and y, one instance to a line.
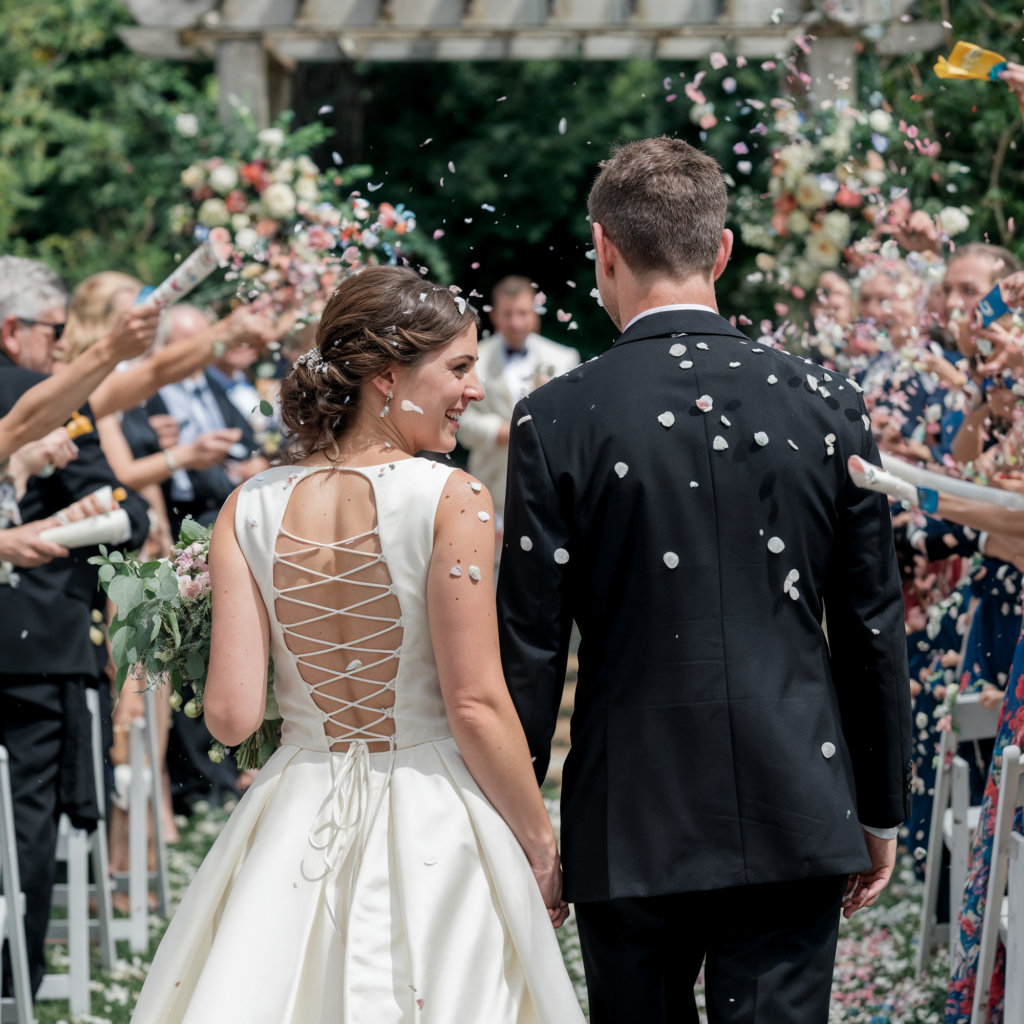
pixel 549 879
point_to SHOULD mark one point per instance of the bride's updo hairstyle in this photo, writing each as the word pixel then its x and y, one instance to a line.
pixel 378 318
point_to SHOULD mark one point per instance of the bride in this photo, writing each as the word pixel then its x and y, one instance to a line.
pixel 393 861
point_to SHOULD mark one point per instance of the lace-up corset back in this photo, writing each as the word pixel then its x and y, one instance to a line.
pixel 340 555
pixel 336 605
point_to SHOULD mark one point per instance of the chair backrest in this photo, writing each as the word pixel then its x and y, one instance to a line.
pixel 973 722
pixel 1011 796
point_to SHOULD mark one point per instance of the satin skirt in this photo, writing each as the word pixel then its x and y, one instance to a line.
pixel 347 888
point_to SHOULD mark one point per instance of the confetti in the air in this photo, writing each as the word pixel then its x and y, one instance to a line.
pixel 561 556
pixel 325 109
pixel 337 158
pixel 525 543
pixel 563 126
pixel 671 559
pixel 776 545
pixel 621 469
pixel 666 419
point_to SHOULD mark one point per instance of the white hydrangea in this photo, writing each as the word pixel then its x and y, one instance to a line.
pixel 880 120
pixel 953 220
pixel 213 213
pixel 272 138
pixel 837 227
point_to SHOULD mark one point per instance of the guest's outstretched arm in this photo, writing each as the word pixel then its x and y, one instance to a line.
pixel 534 612
pixel 51 402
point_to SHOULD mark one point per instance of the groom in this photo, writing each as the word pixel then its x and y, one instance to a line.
pixel 739 766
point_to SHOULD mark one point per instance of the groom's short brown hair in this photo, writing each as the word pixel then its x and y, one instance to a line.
pixel 662 203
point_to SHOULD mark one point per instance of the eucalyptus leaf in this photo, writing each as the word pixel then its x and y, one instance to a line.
pixel 106 572
pixel 195 665
pixel 116 556
pixel 126 593
pixel 149 569
pixel 266 408
pixel 167 588
pixel 192 531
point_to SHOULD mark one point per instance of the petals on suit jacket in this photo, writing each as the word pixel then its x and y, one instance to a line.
pixel 478 428
pixel 718 737
pixel 45 620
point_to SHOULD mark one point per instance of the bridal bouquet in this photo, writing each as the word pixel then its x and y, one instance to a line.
pixel 162 627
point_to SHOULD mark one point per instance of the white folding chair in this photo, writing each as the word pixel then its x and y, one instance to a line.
pixel 16 1009
pixel 73 849
pixel 953 826
pixel 1011 797
pixel 1011 931
pixel 101 927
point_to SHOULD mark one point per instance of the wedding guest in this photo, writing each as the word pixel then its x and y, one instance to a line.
pixel 49 657
pixel 44 407
pixel 200 405
pixel 514 361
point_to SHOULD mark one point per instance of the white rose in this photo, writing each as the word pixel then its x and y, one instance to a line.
pixel 822 251
pixel 305 189
pixel 764 262
pixel 272 138
pixel 278 200
pixel 306 167
pixel 193 176
pixel 240 221
pixel 284 171
pixel 873 176
pixel 187 125
pixel 809 194
pixel 837 227
pixel 223 178
pixel 880 120
pixel 213 213
pixel 953 220
pixel 246 239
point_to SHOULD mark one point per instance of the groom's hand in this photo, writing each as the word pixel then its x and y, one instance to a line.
pixel 864 889
pixel 548 873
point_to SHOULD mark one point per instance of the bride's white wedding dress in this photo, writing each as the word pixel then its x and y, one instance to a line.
pixel 351 886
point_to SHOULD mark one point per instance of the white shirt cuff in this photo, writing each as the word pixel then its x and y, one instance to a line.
pixel 883 833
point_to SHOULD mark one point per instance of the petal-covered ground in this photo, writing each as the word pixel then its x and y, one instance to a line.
pixel 873 984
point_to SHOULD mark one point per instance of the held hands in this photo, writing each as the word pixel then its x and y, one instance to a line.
pixel 134 331
pixel 22 546
pixel 863 890
pixel 548 875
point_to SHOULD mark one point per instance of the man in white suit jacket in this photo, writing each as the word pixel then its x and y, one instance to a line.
pixel 513 362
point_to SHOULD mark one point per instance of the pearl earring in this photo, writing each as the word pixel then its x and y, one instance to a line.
pixel 387 404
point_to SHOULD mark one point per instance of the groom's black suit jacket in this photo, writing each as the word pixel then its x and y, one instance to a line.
pixel 706 693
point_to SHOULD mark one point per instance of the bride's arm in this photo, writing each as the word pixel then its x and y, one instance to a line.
pixel 463 627
pixel 236 686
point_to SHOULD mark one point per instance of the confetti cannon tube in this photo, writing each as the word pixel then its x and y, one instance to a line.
pixel 213 253
pixel 921 487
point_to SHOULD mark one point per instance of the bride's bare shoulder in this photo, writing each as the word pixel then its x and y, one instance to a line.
pixel 465 505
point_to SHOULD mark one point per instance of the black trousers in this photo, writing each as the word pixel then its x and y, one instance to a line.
pixel 768 953
pixel 31 728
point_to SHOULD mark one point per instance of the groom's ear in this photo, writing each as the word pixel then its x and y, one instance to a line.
pixel 724 252
pixel 605 251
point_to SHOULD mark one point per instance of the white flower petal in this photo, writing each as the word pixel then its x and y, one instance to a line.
pixel 761 438
pixel 776 545
pixel 525 543
pixel 475 487
pixel 725 421
pixel 792 444
pixel 671 559
pixel 678 349
pixel 561 556
pixel 812 382
pixel 866 422
pixel 693 483
pixel 455 570
pixel 483 516
pixel 733 366
pixel 719 443
pixel 705 403
pixel 474 572
pixel 794 593
pixel 685 364
pixel 621 468
pixel 773 379
pixel 522 420
pixel 703 345
pixel 666 419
